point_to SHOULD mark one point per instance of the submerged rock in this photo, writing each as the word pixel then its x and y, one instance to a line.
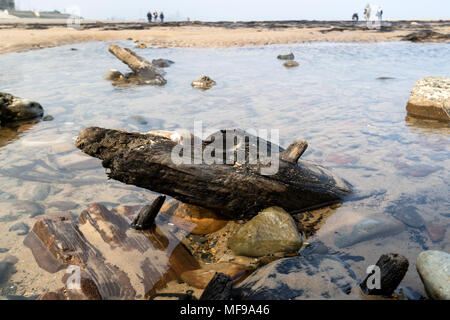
pixel 272 230
pixel 15 109
pixel 434 270
pixel 15 209
pixel 201 277
pixel 290 64
pixel 114 75
pixel 204 82
pixel 315 277
pixel 409 216
pixel 430 98
pixel 436 231
pixel 7 268
pixel 287 56
pixel 368 229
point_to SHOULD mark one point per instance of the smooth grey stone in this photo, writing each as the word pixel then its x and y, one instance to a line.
pixel 48 118
pixel 368 229
pixel 22 227
pixel 298 278
pixel 162 63
pixel 434 270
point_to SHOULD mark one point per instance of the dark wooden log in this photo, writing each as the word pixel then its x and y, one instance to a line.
pixel 118 262
pixel 145 160
pixel 393 268
pixel 219 288
pixel 147 215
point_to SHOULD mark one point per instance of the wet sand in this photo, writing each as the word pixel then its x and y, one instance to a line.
pixel 24 34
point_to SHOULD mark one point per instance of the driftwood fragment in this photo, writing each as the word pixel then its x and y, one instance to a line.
pixel 219 288
pixel 146 160
pixel 147 215
pixel 393 268
pixel 116 261
pixel 144 72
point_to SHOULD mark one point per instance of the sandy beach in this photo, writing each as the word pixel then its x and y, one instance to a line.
pixel 24 34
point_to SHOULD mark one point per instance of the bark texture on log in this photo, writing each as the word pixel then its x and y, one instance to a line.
pixel 144 160
pixel 393 268
pixel 118 260
pixel 219 288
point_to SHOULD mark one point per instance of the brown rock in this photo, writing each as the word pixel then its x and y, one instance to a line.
pixel 204 220
pixel 201 277
pixel 121 262
pixel 430 98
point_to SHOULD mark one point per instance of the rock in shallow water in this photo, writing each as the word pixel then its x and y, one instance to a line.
pixel 13 210
pixel 434 270
pixel 430 98
pixel 369 229
pixel 409 216
pixel 315 277
pixel 204 82
pixel 206 221
pixel 272 230
pixel 287 56
pixel 15 109
pixel 201 277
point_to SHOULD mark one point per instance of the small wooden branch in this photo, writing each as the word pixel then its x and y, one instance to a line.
pixel 219 288
pixel 393 268
pixel 294 151
pixel 147 215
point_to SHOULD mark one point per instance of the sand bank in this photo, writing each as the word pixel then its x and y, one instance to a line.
pixel 19 35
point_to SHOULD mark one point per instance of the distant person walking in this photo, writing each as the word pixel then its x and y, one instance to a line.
pixel 149 16
pixel 380 13
pixel 367 12
pixel 155 16
pixel 161 17
pixel 355 17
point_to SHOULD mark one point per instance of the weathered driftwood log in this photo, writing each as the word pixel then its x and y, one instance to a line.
pixel 145 160
pixel 219 288
pixel 393 268
pixel 115 261
pixel 147 215
pixel 144 72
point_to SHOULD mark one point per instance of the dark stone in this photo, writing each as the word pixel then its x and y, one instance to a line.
pixel 48 118
pixel 7 268
pixel 313 277
pixel 219 288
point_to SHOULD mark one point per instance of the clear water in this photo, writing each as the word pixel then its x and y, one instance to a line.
pixel 355 124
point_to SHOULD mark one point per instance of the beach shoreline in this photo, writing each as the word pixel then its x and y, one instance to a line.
pixel 26 34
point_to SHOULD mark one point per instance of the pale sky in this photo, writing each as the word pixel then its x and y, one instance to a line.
pixel 243 10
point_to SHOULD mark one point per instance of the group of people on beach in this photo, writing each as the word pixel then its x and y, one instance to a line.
pixel 154 16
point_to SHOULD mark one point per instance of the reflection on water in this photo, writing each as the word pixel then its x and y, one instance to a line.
pixel 354 124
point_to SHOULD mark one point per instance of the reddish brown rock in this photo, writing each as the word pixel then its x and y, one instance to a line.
pixel 117 261
pixel 201 277
pixel 205 221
